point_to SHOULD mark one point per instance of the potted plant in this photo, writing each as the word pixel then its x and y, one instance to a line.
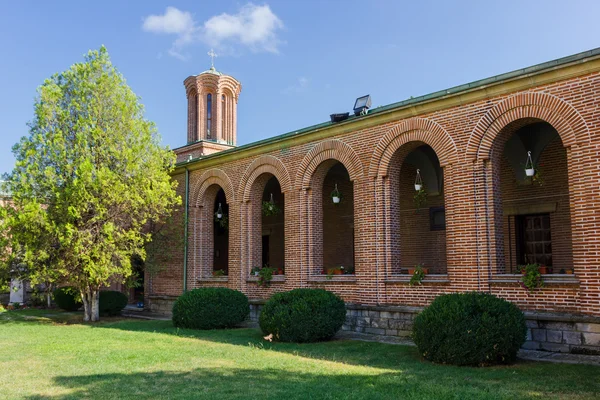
pixel 218 273
pixel 532 278
pixel 331 271
pixel 418 181
pixel 529 168
pixel 544 270
pixel 255 271
pixel 280 271
pixel 265 276
pixel 269 208
pixel 420 198
pixel 336 196
pixel 222 220
pixel 349 270
pixel 417 274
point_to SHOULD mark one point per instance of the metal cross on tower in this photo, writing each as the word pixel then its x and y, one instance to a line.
pixel 212 56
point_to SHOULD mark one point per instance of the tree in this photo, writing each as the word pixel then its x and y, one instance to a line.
pixel 88 180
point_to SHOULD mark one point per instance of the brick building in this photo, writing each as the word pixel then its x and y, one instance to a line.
pixel 479 217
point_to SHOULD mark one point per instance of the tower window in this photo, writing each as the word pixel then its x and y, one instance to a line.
pixel 208 114
pixel 223 113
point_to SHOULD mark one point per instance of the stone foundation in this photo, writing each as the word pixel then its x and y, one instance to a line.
pixel 161 304
pixel 560 333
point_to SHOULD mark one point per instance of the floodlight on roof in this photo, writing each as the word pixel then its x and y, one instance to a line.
pixel 362 104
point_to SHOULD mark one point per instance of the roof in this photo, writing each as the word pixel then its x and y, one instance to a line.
pixel 413 101
pixel 212 70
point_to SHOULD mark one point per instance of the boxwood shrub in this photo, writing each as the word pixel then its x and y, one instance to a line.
pixel 210 308
pixel 470 329
pixel 112 302
pixel 67 298
pixel 302 315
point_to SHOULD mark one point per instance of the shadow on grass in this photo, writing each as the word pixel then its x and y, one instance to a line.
pixel 401 373
pixel 518 379
pixel 233 383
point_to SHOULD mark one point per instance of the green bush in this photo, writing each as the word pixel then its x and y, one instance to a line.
pixel 67 298
pixel 210 308
pixel 303 315
pixel 470 329
pixel 112 302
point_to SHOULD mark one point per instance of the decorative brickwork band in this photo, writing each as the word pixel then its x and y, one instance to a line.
pixel 211 177
pixel 328 150
pixel 264 165
pixel 561 115
pixel 412 130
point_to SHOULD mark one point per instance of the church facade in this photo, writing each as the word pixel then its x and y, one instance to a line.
pixel 467 184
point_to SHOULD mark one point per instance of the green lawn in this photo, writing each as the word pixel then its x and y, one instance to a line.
pixel 46 354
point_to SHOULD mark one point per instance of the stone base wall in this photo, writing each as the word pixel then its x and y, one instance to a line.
pixel 161 304
pixel 563 333
pixel 560 333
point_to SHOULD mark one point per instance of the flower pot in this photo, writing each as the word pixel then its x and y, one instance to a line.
pixel 140 304
pixel 543 270
pixel 219 216
pixel 280 271
pixel 529 171
pixel 411 271
pixel 335 199
pixel 569 271
pixel 418 187
pixel 334 271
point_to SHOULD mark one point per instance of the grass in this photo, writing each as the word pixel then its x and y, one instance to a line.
pixel 50 355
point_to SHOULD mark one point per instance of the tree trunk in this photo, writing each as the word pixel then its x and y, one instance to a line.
pixel 91 305
pixel 95 315
pixel 86 306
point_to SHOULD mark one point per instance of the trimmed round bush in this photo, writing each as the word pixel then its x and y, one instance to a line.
pixel 112 302
pixel 303 315
pixel 67 298
pixel 210 308
pixel 470 329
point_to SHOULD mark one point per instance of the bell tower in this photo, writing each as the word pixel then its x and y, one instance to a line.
pixel 212 109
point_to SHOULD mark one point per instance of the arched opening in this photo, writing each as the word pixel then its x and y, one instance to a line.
pixel 208 116
pixel 417 213
pixel 223 118
pixel 267 206
pixel 272 221
pixel 192 116
pixel 220 235
pixel 336 213
pixel 532 217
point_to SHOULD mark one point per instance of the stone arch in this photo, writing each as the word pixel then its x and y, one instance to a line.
pixel 209 178
pixel 261 165
pixel 329 149
pixel 412 130
pixel 569 124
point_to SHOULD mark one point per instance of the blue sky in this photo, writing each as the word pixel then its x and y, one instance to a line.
pixel 298 61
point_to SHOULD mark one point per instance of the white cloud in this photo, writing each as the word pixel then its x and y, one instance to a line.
pixel 300 86
pixel 173 21
pixel 253 27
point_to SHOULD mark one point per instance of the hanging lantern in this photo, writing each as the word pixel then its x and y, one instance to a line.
pixel 418 181
pixel 336 195
pixel 219 212
pixel 529 169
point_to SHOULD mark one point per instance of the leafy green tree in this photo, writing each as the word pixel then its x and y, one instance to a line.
pixel 88 181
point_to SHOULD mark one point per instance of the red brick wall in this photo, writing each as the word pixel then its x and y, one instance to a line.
pixel 464 138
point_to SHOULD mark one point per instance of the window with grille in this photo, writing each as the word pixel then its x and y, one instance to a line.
pixel 534 239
